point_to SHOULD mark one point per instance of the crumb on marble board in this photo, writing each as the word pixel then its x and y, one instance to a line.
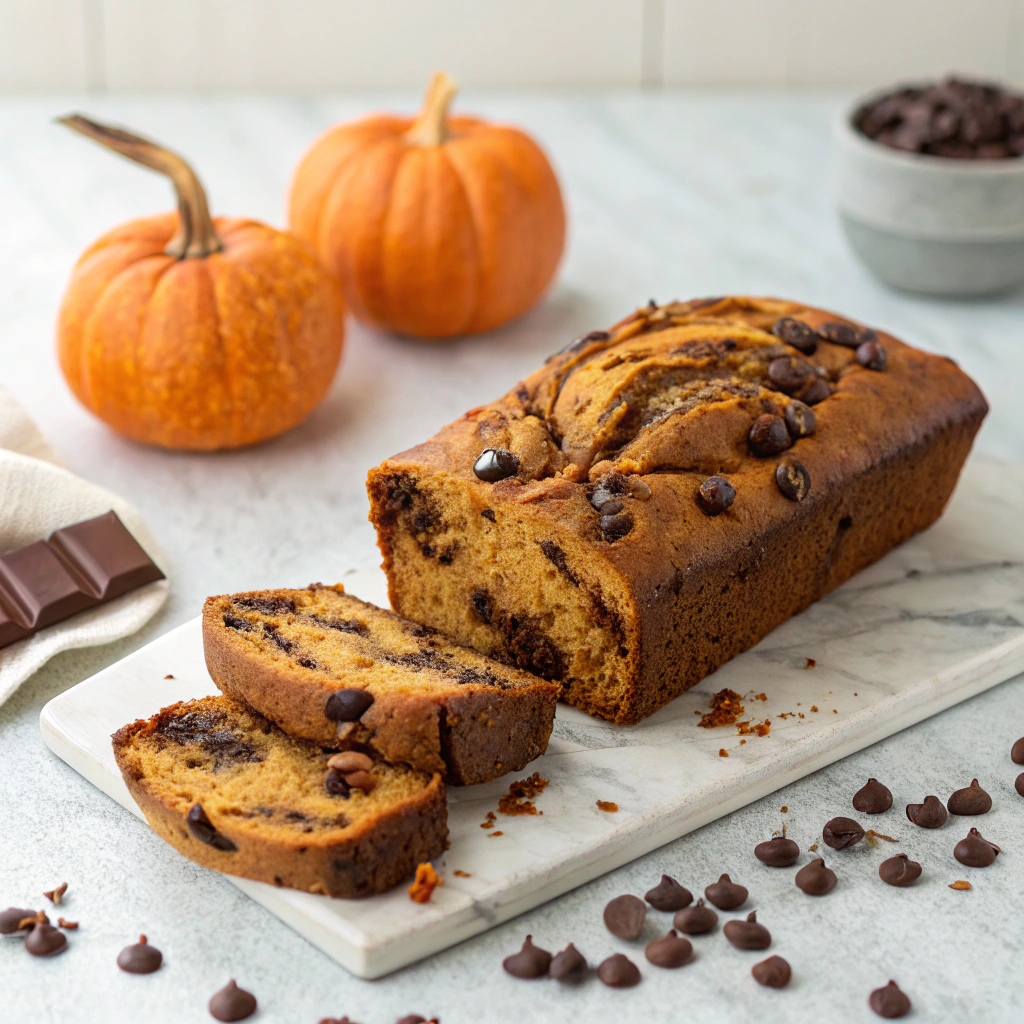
pixel 809 663
pixel 961 885
pixel 722 752
pixel 608 806
pixel 424 884
pixel 519 798
pixel 459 873
pixel 488 822
pixel 726 708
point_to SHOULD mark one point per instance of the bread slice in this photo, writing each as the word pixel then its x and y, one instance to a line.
pixel 328 667
pixel 229 790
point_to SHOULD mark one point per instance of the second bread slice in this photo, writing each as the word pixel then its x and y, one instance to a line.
pixel 328 667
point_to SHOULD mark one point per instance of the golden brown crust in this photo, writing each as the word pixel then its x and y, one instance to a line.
pixel 662 402
pixel 370 855
pixel 421 716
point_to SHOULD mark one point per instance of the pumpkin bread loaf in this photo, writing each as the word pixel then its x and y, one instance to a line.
pixel 229 790
pixel 661 495
pixel 328 667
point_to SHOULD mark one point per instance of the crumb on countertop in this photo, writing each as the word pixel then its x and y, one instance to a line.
pixel 726 708
pixel 519 798
pixel 424 884
pixel 608 806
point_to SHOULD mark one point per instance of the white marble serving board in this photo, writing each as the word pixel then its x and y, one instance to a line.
pixel 935 622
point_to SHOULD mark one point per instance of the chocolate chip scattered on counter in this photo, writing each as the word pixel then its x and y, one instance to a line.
pixel 840 334
pixel 777 852
pixel 669 895
pixel 232 1003
pixel 696 920
pixel 930 814
pixel 768 435
pixel 748 934
pixel 202 829
pixel 11 918
pixel 815 392
pixel 1017 751
pixel 347 705
pixel 873 798
pixel 800 419
pixel 619 971
pixel 792 479
pixel 815 879
pixel 789 373
pixel 840 833
pixel 969 801
pixel 45 940
pixel 350 761
pixel 726 894
pixel 796 333
pixel 974 850
pixel 889 1001
pixel 715 495
pixel 1019 784
pixel 494 464
pixel 335 784
pixel 899 870
pixel 529 962
pixel 772 973
pixel 615 527
pixel 670 950
pixel 56 895
pixel 624 916
pixel 568 966
pixel 140 957
pixel 871 356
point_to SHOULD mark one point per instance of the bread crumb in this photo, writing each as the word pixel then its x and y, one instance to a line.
pixel 812 848
pixel 723 752
pixel 496 832
pixel 608 806
pixel 814 707
pixel 960 885
pixel 834 712
pixel 757 728
pixel 809 663
pixel 488 822
pixel 462 874
pixel 519 798
pixel 168 676
pixel 760 696
pixel 742 742
pixel 784 809
pixel 424 884
pixel 726 708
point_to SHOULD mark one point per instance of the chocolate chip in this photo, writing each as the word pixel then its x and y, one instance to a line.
pixel 800 419
pixel 670 950
pixel 715 495
pixel 232 1003
pixel 619 971
pixel 140 958
pixel 726 894
pixel 796 333
pixel 792 479
pixel 614 527
pixel 669 895
pixel 488 514
pixel 347 705
pixel 1019 784
pixel 789 373
pixel 335 784
pixel 872 798
pixel 930 814
pixel 1017 751
pixel 815 392
pixel 777 852
pixel 45 940
pixel 748 934
pixel 899 870
pixel 202 829
pixel 569 966
pixel 11 918
pixel 889 1001
pixel 494 464
pixel 529 962
pixel 840 334
pixel 974 850
pixel 871 355
pixel 696 920
pixel 815 879
pixel 768 435
pixel 624 917
pixel 972 800
pixel 772 973
pixel 839 833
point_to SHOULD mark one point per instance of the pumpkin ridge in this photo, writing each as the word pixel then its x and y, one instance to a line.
pixel 475 231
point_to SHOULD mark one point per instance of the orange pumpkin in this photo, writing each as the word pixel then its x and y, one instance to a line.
pixel 436 225
pixel 191 332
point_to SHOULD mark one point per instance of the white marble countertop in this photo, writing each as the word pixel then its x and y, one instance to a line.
pixel 670 195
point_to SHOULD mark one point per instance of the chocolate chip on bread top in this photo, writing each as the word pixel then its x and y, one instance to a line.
pixel 568 528
pixel 327 667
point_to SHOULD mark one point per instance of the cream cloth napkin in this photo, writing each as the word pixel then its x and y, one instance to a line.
pixel 38 496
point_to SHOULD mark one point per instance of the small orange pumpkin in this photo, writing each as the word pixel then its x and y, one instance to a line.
pixel 191 332
pixel 436 226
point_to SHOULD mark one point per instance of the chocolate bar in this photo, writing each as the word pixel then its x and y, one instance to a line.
pixel 78 567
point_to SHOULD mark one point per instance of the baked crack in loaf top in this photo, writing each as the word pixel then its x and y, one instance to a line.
pixel 659 496
pixel 328 667
pixel 229 790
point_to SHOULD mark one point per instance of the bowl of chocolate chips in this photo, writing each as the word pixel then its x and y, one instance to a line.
pixel 931 186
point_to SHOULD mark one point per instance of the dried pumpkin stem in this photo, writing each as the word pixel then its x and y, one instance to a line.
pixel 196 235
pixel 431 125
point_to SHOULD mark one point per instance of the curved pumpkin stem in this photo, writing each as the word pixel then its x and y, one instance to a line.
pixel 431 125
pixel 196 236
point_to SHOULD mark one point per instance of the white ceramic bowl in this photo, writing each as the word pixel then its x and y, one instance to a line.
pixel 930 224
